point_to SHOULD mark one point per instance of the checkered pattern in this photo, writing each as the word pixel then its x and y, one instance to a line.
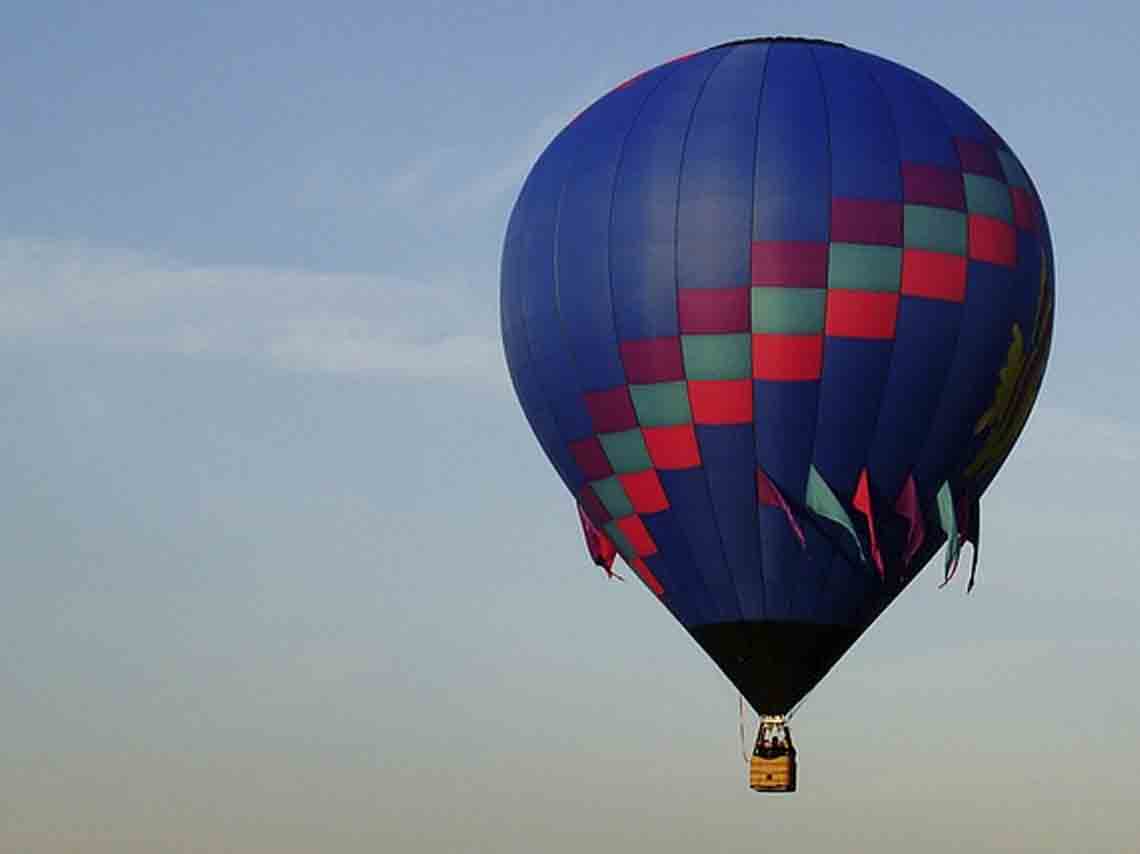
pixel 774 329
pixel 880 250
pixel 701 377
pixel 951 217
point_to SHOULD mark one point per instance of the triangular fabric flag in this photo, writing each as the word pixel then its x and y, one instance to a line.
pixel 862 503
pixel 907 506
pixel 822 500
pixel 769 495
pixel 949 524
pixel 601 547
pixel 972 533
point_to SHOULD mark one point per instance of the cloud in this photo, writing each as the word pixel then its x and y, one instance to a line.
pixel 442 180
pixel 56 295
pixel 492 184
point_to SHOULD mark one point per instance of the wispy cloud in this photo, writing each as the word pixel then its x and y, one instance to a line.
pixel 55 294
pixel 442 180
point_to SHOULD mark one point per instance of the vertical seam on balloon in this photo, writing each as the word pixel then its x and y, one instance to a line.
pixel 553 410
pixel 857 56
pixel 567 343
pixel 676 286
pixel 503 301
pixel 937 112
pixel 752 382
pixel 1044 246
pixel 825 577
pixel 610 276
pixel 522 321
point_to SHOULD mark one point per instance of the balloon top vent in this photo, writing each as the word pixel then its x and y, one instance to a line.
pixel 777 39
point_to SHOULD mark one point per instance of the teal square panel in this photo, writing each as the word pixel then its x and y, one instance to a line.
pixel 937 229
pixel 790 311
pixel 661 404
pixel 863 267
pixel 612 495
pixel 1014 174
pixel 626 451
pixel 719 356
pixel 988 197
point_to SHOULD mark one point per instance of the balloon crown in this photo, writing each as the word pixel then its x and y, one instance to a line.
pixel 796 39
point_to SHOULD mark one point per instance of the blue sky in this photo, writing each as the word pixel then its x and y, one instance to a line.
pixel 284 569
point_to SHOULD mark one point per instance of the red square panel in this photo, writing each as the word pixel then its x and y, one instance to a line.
pixel 935 275
pixel 861 314
pixel 611 410
pixel 1023 209
pixel 721 401
pixel 673 447
pixel 992 240
pixel 710 310
pixel 645 491
pixel 789 263
pixel 638 535
pixel 646 575
pixel 652 360
pixel 591 459
pixel 787 357
pixel 924 184
pixel 866 221
pixel 979 158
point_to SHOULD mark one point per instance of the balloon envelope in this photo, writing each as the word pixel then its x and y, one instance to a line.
pixel 777 312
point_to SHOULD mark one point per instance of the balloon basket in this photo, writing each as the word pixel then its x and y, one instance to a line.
pixel 772 767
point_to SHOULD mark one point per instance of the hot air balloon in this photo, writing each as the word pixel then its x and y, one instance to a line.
pixel 777 311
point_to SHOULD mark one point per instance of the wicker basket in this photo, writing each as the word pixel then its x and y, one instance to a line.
pixel 773 775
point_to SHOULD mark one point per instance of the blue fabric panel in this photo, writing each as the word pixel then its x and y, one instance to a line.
pixel 829 551
pixel 1044 235
pixel 530 392
pixel 1027 286
pixel 846 587
pixel 680 605
pixel 583 254
pixel 983 342
pixel 923 136
pixel 925 337
pixel 960 119
pixel 1025 299
pixel 688 493
pixel 785 417
pixel 643 237
pixel 546 428
pixel 726 454
pixel 864 153
pixel 674 565
pixel 510 297
pixel 714 219
pixel 820 563
pixel 509 294
pixel 787 572
pixel 854 374
pixel 1025 289
pixel 792 194
pixel 550 356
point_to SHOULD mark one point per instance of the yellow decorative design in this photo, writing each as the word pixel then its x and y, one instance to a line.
pixel 1018 383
